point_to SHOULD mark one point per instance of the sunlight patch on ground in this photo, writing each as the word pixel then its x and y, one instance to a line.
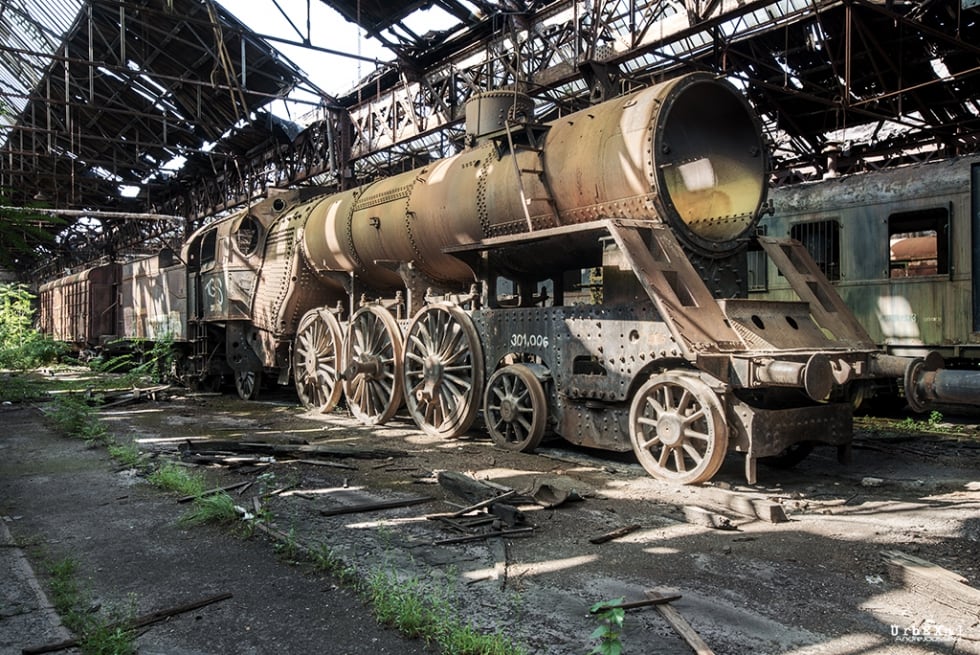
pixel 180 439
pixel 549 566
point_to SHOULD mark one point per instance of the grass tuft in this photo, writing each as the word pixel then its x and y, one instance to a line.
pixel 174 477
pixel 416 612
pixel 215 508
pixel 97 633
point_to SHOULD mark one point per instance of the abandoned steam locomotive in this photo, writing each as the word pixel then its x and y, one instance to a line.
pixel 585 277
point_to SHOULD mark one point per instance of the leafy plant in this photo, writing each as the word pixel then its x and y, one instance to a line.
pixel 72 413
pixel 21 346
pixel 934 423
pixel 288 548
pixel 610 616
pixel 126 454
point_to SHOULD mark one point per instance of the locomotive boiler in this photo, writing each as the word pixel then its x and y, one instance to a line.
pixel 585 277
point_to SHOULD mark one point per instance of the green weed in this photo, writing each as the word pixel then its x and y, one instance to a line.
pixel 934 423
pixel 215 508
pixel 174 477
pixel 607 636
pixel 416 612
pixel 97 633
pixel 126 454
pixel 288 548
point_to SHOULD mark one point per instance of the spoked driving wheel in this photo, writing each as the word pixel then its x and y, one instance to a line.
pixel 373 365
pixel 248 384
pixel 316 361
pixel 515 408
pixel 677 427
pixel 443 370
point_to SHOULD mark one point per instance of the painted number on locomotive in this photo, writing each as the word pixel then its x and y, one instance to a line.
pixel 521 340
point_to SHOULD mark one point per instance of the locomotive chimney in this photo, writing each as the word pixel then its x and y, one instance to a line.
pixel 832 151
pixel 488 112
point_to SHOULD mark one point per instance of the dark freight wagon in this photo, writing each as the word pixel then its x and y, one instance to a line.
pixel 82 309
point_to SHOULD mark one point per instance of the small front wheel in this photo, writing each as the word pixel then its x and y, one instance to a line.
pixel 515 408
pixel 248 384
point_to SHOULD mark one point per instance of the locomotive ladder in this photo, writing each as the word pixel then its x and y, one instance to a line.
pixel 538 172
pixel 199 355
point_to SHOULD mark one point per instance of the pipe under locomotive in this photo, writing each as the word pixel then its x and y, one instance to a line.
pixel 585 277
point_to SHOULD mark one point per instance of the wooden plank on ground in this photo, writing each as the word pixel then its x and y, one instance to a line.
pixel 927 578
pixel 701 516
pixel 375 506
pixel 614 534
pixel 751 505
pixel 681 626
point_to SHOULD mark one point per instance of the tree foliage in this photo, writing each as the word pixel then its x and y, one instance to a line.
pixel 22 233
pixel 21 345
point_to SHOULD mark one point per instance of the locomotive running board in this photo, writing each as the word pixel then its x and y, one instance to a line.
pixel 693 316
pixel 793 260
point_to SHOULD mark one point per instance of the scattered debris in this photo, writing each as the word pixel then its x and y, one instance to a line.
pixel 323 462
pixel 133 395
pixel 493 518
pixel 375 506
pixel 680 624
pixel 472 508
pixel 615 534
pixel 470 489
pixel 484 535
pixel 224 446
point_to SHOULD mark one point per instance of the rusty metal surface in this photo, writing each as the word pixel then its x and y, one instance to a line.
pixel 762 432
pixel 153 297
pixel 687 152
pixel 82 308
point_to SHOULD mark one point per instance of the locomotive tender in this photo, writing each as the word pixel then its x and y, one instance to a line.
pixel 585 277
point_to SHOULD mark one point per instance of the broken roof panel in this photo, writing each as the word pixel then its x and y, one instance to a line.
pixel 123 88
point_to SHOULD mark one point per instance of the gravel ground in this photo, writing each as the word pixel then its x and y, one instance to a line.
pixel 816 583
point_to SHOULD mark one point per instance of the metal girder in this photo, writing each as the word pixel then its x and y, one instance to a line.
pixel 543 55
pixel 908 72
pixel 812 69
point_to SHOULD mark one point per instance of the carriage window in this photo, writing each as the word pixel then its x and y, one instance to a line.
pixel 822 239
pixel 918 243
pixel 758 264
